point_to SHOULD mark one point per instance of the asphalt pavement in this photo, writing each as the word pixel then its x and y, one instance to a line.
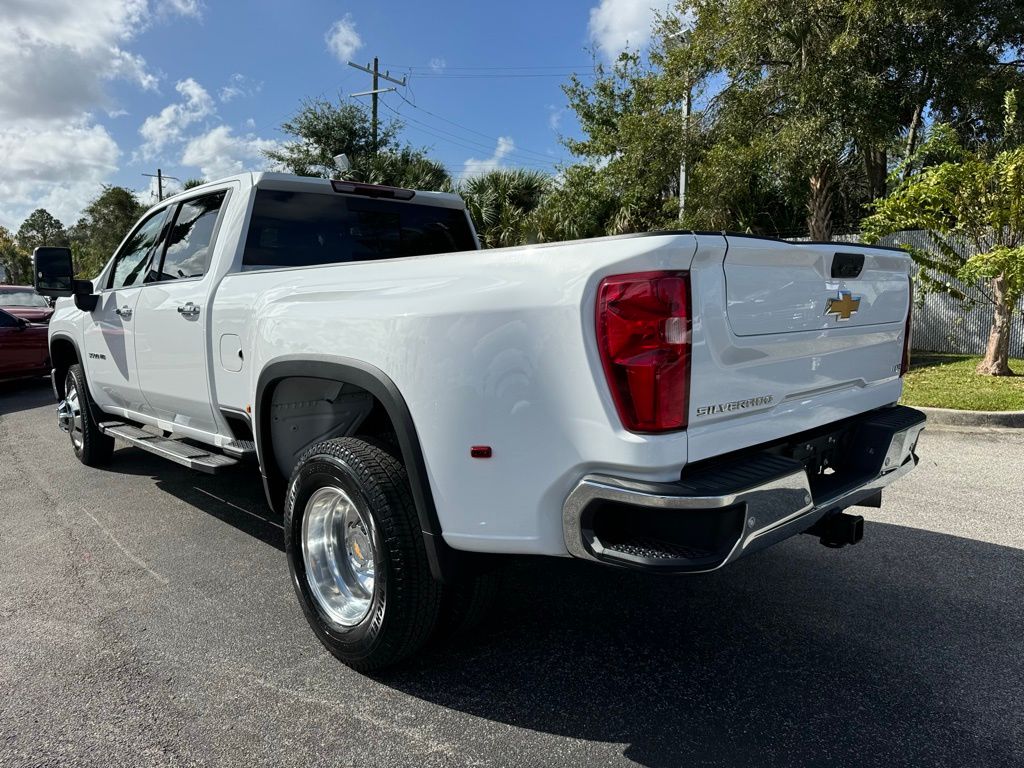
pixel 146 618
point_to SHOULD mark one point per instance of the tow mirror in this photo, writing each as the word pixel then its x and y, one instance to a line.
pixel 54 276
pixel 54 272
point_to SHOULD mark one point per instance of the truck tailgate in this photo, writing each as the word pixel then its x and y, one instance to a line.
pixel 777 287
pixel 788 337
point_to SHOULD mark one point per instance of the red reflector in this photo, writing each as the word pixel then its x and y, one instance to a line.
pixel 480 451
pixel 905 360
pixel 643 333
pixel 372 190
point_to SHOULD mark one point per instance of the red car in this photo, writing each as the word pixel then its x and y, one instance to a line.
pixel 23 301
pixel 23 347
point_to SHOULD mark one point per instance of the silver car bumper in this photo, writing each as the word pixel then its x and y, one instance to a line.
pixel 708 520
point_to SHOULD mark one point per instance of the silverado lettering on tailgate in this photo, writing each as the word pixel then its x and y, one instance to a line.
pixel 735 405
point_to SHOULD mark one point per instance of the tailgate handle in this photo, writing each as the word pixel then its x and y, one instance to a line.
pixel 847 265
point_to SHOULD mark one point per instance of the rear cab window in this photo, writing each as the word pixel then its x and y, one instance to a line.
pixel 299 229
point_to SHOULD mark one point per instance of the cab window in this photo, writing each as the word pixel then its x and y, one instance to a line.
pixel 132 262
pixel 190 239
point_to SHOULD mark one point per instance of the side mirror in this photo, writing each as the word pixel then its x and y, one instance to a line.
pixel 23 324
pixel 54 276
pixel 54 273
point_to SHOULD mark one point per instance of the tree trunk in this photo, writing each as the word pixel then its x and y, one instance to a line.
pixel 875 166
pixel 819 205
pixel 915 125
pixel 997 353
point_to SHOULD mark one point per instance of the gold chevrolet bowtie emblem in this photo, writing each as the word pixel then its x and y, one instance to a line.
pixel 843 306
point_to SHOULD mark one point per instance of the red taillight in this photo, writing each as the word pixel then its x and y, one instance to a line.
pixel 643 333
pixel 905 361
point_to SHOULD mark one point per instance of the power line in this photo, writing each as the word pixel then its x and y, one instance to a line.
pixel 526 67
pixel 443 76
pixel 540 155
pixel 545 162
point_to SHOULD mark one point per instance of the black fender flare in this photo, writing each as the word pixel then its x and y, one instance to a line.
pixel 378 384
pixel 60 336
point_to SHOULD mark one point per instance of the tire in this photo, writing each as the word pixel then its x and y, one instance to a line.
pixel 346 494
pixel 92 447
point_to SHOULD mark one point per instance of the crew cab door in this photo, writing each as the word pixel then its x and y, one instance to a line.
pixel 109 329
pixel 172 317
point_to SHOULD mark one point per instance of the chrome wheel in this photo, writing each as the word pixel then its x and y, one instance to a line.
pixel 339 549
pixel 69 414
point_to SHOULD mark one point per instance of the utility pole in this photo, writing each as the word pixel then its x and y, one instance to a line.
pixel 681 39
pixel 159 176
pixel 375 92
pixel 683 177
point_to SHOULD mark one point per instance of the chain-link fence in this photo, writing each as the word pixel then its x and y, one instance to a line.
pixel 943 324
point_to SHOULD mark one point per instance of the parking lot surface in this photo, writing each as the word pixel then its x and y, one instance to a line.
pixel 146 618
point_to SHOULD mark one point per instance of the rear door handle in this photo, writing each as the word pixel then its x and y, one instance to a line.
pixel 189 310
pixel 125 312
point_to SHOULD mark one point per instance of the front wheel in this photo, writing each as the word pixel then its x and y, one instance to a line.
pixel 356 554
pixel 92 447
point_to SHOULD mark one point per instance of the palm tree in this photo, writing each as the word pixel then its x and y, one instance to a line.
pixel 501 202
pixel 407 167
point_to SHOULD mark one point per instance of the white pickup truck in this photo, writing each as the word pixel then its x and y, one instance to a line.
pixel 667 401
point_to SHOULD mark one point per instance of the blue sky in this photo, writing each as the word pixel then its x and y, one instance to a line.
pixel 102 91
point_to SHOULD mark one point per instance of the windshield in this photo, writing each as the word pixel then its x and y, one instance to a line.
pixel 24 298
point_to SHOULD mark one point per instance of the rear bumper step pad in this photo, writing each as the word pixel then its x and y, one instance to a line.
pixel 735 507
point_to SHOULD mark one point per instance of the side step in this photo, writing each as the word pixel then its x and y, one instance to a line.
pixel 175 450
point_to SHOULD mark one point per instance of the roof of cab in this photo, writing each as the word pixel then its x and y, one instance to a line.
pixel 273 180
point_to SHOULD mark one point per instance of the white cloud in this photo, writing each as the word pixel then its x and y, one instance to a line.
pixel 555 115
pixel 57 59
pixel 167 126
pixel 239 85
pixel 437 64
pixel 619 24
pixel 54 167
pixel 183 7
pixel 343 40
pixel 57 56
pixel 474 167
pixel 218 152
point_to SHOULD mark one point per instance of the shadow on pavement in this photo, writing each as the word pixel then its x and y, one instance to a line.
pixel 234 496
pixel 908 650
pixel 26 394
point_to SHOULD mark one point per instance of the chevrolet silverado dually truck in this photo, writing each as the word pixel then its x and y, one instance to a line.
pixel 664 401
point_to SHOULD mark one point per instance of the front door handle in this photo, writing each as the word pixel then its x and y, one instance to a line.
pixel 189 310
pixel 124 312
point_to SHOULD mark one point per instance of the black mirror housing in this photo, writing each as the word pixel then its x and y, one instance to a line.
pixel 53 272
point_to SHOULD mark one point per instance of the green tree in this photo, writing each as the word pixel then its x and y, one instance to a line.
pixel 501 202
pixel 579 203
pixel 102 227
pixel 405 167
pixel 802 107
pixel 16 261
pixel 190 183
pixel 974 199
pixel 39 229
pixel 631 141
pixel 321 130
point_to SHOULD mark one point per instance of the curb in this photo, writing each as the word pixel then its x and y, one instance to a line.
pixel 956 418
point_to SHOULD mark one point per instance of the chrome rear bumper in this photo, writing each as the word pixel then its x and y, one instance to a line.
pixel 715 516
